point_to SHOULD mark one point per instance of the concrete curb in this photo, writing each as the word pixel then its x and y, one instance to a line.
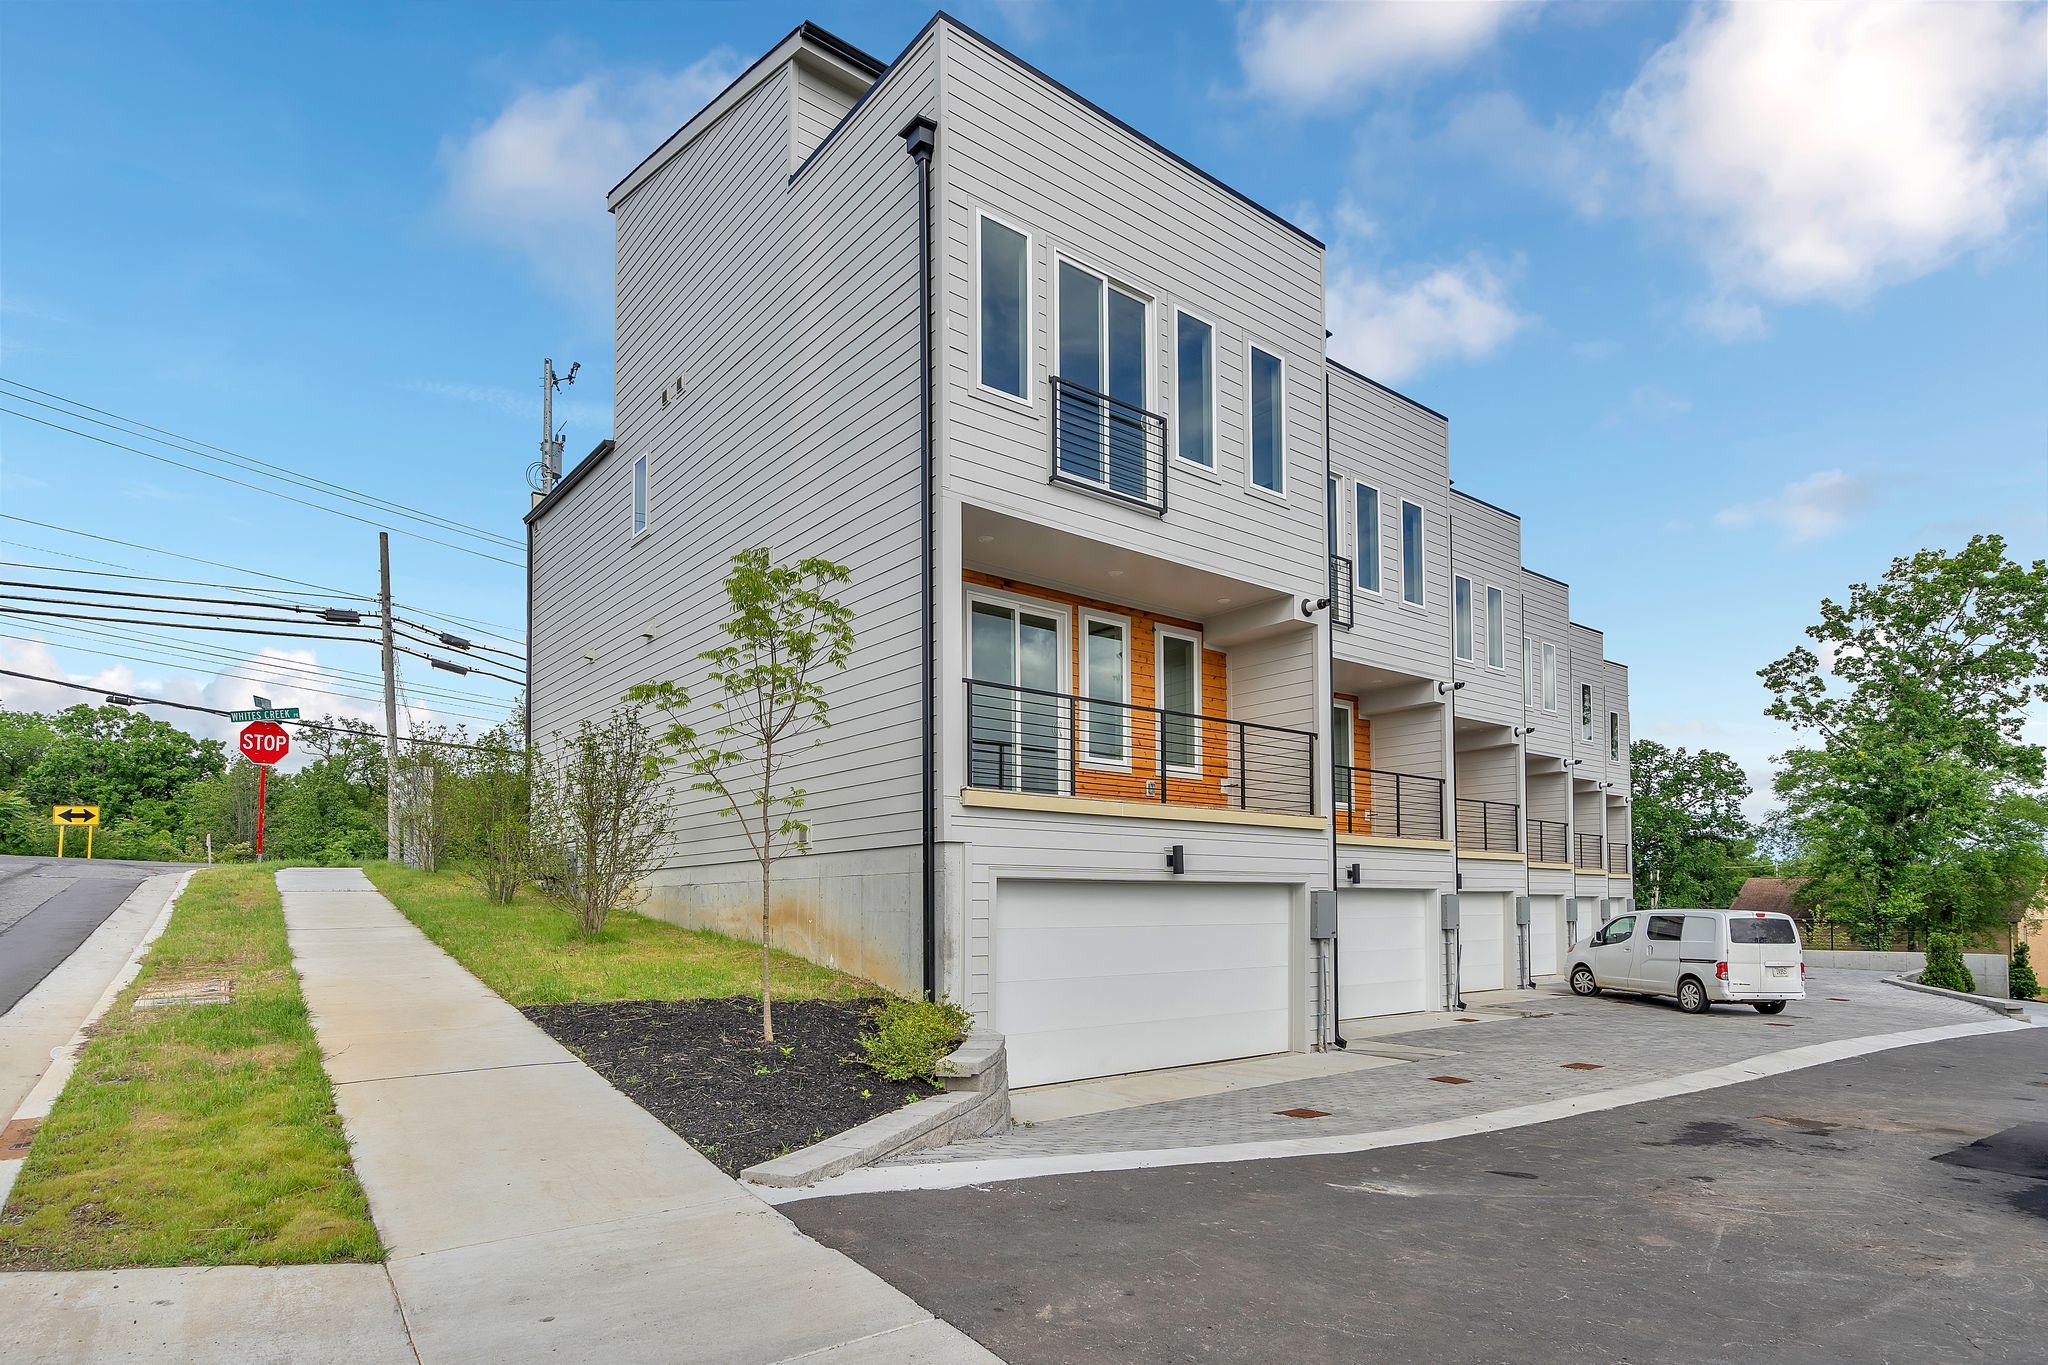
pixel 43 1096
pixel 976 1077
pixel 2016 1009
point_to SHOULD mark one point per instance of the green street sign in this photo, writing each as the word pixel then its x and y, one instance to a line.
pixel 268 713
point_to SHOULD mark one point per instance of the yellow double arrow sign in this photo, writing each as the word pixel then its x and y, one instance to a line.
pixel 74 815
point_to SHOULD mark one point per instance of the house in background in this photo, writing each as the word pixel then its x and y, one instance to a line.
pixel 1164 620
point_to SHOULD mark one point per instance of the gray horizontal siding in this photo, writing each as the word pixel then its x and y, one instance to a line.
pixel 1546 609
pixel 1036 157
pixel 790 314
pixel 1488 551
pixel 1404 452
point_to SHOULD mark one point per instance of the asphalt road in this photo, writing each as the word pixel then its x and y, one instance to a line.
pixel 49 906
pixel 1835 1214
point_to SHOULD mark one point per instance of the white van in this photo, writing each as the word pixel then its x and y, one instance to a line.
pixel 1742 957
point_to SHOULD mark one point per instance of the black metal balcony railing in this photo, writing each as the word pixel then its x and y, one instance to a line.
pixel 1586 851
pixel 1024 739
pixel 1394 805
pixel 1547 839
pixel 1617 859
pixel 1342 603
pixel 1489 826
pixel 1108 446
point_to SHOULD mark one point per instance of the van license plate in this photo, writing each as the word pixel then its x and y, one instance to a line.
pixel 1781 971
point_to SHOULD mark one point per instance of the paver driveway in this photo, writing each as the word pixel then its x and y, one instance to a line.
pixel 1506 1064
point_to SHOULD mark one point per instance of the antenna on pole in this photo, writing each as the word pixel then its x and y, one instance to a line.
pixel 544 475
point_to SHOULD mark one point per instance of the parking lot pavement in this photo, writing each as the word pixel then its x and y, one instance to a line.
pixel 1876 1209
pixel 1626 1039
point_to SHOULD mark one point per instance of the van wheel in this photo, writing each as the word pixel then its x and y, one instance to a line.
pixel 1769 1006
pixel 1692 996
pixel 1583 982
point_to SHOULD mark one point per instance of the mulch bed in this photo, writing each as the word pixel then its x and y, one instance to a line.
pixel 701 1068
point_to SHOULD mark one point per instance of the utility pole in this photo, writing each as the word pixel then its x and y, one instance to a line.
pixel 544 475
pixel 390 696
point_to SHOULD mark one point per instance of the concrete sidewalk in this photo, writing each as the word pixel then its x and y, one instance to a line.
pixel 531 1210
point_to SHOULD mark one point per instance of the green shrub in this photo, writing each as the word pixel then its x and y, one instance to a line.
pixel 1945 966
pixel 906 1039
pixel 2025 985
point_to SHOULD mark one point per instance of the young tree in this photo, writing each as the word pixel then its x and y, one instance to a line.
pixel 599 816
pixel 784 630
pixel 493 811
pixel 1691 839
pixel 1917 688
pixel 424 788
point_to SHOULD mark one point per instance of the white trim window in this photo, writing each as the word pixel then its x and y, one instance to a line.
pixel 1365 535
pixel 1178 691
pixel 1003 309
pixel 1106 683
pixel 640 504
pixel 1102 334
pixel 1586 712
pixel 1528 676
pixel 1018 737
pixel 1461 614
pixel 1496 626
pixel 1414 554
pixel 1194 389
pixel 1343 752
pixel 1333 526
pixel 1550 678
pixel 1614 735
pixel 1265 464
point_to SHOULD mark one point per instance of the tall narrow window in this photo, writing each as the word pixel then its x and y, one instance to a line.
pixel 1614 735
pixel 1104 678
pixel 1331 526
pixel 1005 311
pixel 1586 712
pixel 1342 754
pixel 1180 674
pixel 1496 625
pixel 1194 390
pixel 1528 677
pixel 1550 677
pixel 1461 607
pixel 1268 423
pixel 1365 535
pixel 639 495
pixel 1411 553
pixel 1102 338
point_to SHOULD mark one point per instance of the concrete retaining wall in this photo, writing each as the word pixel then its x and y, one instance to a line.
pixel 1989 969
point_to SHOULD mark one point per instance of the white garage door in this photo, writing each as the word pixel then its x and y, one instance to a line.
pixel 1546 932
pixel 1482 934
pixel 1383 953
pixel 1097 979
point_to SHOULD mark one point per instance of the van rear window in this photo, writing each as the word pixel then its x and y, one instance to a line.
pixel 1771 930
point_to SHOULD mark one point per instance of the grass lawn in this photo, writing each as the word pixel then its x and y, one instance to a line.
pixel 196 1134
pixel 533 954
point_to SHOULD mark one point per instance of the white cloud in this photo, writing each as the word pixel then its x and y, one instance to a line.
pixel 1390 329
pixel 1807 510
pixel 1824 150
pixel 1332 51
pixel 1728 319
pixel 1560 157
pixel 534 178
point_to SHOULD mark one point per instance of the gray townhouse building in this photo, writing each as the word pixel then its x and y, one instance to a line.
pixel 1166 622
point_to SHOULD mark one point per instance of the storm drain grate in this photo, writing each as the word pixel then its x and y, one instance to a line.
pixel 1453 1080
pixel 1303 1113
pixel 1583 1066
pixel 14 1138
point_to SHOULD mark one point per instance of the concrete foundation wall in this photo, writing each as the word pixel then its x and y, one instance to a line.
pixel 857 912
pixel 1990 970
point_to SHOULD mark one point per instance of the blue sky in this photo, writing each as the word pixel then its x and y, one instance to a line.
pixel 1732 305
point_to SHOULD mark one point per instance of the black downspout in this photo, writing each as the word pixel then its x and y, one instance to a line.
pixel 1329 705
pixel 919 136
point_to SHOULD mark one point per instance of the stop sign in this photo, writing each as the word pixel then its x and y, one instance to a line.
pixel 265 742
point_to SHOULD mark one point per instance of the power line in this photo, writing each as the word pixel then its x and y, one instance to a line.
pixel 257 488
pixel 488 627
pixel 179 625
pixel 154 596
pixel 135 577
pixel 216 711
pixel 250 464
pixel 176 611
pixel 257 680
pixel 202 654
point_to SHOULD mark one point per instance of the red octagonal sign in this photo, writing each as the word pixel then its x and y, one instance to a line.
pixel 265 742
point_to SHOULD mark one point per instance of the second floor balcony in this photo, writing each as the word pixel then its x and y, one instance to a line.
pixel 1548 840
pixel 1617 859
pixel 1489 826
pixel 1588 852
pixel 1029 740
pixel 1390 805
